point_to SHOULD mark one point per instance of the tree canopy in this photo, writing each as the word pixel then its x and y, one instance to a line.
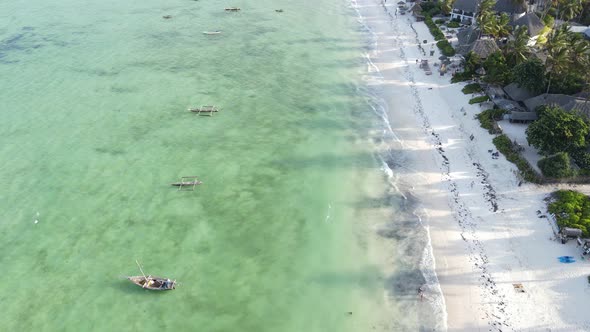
pixel 557 131
pixel 530 75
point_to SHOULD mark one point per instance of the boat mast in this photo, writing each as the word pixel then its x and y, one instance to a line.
pixel 139 266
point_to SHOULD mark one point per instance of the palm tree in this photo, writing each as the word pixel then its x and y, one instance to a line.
pixel 501 27
pixel 486 16
pixel 447 6
pixel 578 49
pixel 517 49
pixel 570 8
pixel 558 58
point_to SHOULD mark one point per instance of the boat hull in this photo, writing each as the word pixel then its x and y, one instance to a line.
pixel 153 283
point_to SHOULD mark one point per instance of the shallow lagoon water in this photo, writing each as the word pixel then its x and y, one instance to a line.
pixel 296 226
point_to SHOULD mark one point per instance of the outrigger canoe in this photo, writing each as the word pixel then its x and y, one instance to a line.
pixel 187 183
pixel 232 9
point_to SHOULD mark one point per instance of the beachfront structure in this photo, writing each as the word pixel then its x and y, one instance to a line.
pixel 481 47
pixel 567 103
pixel 467 36
pixel 534 26
pixel 465 11
pixel 518 93
pixel 514 9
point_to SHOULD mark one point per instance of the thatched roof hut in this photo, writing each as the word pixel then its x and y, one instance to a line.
pixel 482 47
pixel 567 103
pixel 532 22
pixel 468 35
pixel 518 93
pixel 510 7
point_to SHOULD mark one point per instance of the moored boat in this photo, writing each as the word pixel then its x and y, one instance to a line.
pixel 153 283
pixel 216 32
pixel 232 9
pixel 187 183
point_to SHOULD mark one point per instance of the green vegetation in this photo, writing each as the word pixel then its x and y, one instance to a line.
pixel 442 42
pixel 479 99
pixel 453 24
pixel 505 146
pixel 582 159
pixel 497 69
pixel 487 120
pixel 462 77
pixel 556 166
pixel 565 55
pixel 445 47
pixel 446 6
pixel 430 8
pixel 548 20
pixel 530 75
pixel 434 30
pixel 557 131
pixel 440 21
pixel 571 209
pixel 472 88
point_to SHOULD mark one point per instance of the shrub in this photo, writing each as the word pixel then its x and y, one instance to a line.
pixel 582 159
pixel 434 30
pixel 504 145
pixel 443 44
pixel 487 120
pixel 479 99
pixel 430 8
pixel 472 88
pixel 462 76
pixel 439 21
pixel 556 166
pixel 445 47
pixel 571 209
pixel 497 69
pixel 453 24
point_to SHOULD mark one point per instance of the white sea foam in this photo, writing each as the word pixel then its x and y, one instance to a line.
pixel 388 140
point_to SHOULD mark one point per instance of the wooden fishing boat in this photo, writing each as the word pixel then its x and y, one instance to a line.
pixel 216 32
pixel 153 283
pixel 204 110
pixel 186 183
pixel 232 9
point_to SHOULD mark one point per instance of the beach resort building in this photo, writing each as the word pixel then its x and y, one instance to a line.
pixel 534 26
pixel 465 11
pixel 514 9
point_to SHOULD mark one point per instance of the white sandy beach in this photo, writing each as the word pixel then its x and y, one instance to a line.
pixel 485 229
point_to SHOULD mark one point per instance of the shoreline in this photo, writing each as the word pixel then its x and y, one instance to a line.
pixel 485 231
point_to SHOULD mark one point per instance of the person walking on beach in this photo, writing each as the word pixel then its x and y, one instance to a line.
pixel 421 292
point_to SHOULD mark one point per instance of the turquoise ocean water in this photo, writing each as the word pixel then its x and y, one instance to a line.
pixel 284 234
